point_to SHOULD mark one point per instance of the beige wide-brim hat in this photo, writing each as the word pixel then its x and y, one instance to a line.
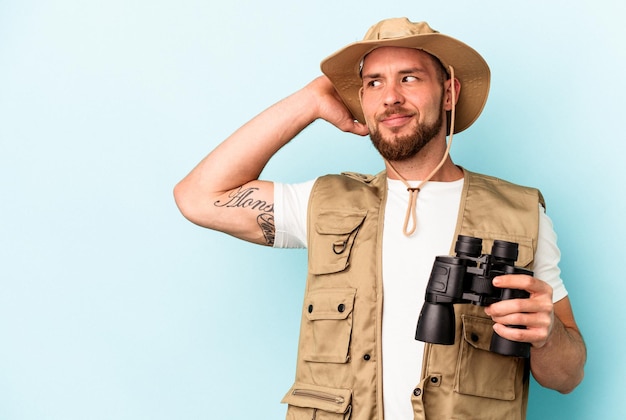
pixel 343 67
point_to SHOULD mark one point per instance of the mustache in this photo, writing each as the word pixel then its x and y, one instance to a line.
pixel 394 110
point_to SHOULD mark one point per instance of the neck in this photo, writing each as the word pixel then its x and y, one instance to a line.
pixel 420 166
pixel 447 173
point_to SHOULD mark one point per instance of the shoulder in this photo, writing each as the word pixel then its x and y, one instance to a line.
pixel 491 185
pixel 352 180
pixel 348 189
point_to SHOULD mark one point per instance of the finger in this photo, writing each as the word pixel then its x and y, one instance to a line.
pixel 522 282
pixel 360 129
pixel 527 319
pixel 537 303
pixel 513 281
pixel 536 336
pixel 352 126
pixel 505 307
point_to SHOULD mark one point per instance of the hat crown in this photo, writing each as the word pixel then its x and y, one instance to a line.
pixel 397 28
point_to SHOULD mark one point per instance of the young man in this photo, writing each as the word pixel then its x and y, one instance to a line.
pixel 373 239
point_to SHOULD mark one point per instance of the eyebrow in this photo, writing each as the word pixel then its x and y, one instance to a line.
pixel 411 70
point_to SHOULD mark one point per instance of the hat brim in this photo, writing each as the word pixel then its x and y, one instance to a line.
pixel 472 71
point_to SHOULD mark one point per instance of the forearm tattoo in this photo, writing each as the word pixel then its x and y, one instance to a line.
pixel 243 198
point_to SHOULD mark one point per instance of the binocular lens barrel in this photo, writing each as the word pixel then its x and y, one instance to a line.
pixel 468 246
pixel 505 250
pixel 436 324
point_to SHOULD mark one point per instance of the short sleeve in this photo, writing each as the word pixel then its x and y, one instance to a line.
pixel 291 203
pixel 547 257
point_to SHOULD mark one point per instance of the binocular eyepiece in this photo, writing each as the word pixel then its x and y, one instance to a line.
pixel 467 278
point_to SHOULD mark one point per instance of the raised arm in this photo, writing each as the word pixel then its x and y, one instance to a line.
pixel 223 191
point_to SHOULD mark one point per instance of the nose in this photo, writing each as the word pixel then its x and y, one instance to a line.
pixel 393 95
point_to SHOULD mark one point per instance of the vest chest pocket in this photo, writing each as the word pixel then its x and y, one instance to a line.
pixel 328 327
pixel 331 240
pixel 481 372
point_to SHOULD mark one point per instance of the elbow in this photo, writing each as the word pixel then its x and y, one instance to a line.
pixel 568 390
pixel 564 380
pixel 564 385
pixel 574 380
pixel 187 203
pixel 571 385
pixel 180 198
pixel 577 374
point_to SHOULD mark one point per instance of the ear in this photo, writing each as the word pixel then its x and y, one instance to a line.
pixel 448 85
pixel 361 102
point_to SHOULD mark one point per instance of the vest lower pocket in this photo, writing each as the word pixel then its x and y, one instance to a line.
pixel 481 372
pixel 318 402
pixel 327 329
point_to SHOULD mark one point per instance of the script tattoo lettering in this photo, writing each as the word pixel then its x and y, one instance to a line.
pixel 243 198
pixel 266 222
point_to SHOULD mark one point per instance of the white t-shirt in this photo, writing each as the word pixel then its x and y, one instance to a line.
pixel 407 262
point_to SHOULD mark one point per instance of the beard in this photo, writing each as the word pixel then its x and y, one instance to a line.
pixel 400 148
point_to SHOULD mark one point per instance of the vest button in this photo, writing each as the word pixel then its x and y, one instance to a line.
pixel 434 380
pixel 417 392
pixel 310 309
pixel 474 337
pixel 366 357
pixel 341 307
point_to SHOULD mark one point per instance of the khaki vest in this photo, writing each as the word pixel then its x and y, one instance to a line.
pixel 338 373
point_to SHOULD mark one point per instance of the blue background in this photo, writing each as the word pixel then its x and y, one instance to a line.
pixel 112 306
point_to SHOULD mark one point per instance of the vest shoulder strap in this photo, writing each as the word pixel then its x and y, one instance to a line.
pixel 349 190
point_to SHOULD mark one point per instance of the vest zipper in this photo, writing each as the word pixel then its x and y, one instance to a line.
pixel 324 396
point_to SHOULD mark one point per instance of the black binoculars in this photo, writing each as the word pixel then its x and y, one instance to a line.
pixel 467 278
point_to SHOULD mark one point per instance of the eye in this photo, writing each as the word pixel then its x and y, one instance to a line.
pixel 409 79
pixel 373 83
